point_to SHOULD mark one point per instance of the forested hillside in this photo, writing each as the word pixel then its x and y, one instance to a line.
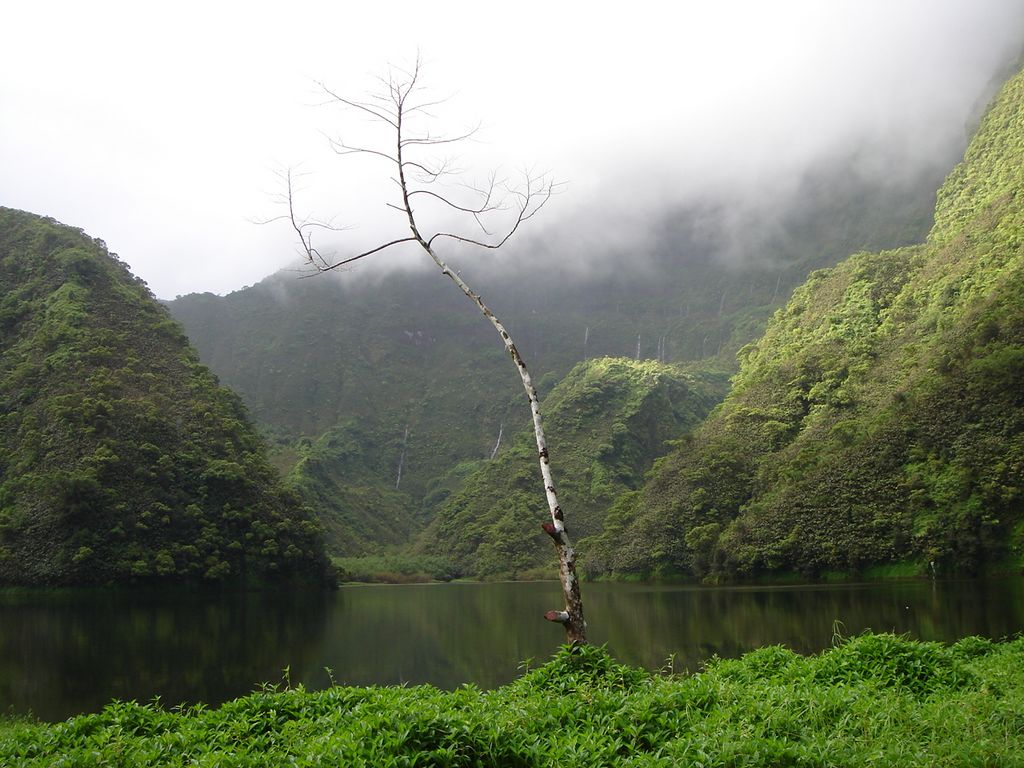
pixel 121 459
pixel 355 374
pixel 880 419
pixel 607 421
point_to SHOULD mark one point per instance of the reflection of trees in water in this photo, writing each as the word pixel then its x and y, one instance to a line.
pixel 63 653
pixel 651 622
pixel 66 653
pixel 442 634
pixel 450 634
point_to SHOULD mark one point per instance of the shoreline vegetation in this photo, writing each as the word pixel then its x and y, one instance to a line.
pixel 399 568
pixel 874 699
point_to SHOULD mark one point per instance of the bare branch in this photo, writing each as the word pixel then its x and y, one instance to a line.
pixel 341 148
pixel 429 176
pixel 379 114
pixel 485 207
pixel 364 254
pixel 533 201
pixel 431 141
pixel 302 227
pixel 426 106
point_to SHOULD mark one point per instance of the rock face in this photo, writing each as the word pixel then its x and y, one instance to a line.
pixel 880 419
pixel 121 459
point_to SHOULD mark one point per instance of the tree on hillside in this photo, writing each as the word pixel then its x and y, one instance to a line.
pixel 494 210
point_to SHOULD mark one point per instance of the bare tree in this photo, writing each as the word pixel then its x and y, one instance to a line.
pixel 398 106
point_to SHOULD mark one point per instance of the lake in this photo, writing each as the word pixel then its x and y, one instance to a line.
pixel 67 652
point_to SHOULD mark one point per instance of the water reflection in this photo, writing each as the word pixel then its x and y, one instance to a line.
pixel 65 653
pixel 694 624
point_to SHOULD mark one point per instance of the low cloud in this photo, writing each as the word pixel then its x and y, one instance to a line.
pixel 160 130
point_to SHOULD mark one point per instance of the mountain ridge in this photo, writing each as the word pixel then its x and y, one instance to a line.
pixel 121 459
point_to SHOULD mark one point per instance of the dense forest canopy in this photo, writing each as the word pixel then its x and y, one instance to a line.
pixel 121 459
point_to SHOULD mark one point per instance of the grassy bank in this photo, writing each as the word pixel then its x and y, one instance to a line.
pixel 395 568
pixel 872 700
pixel 406 568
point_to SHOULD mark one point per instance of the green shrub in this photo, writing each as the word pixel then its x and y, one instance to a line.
pixel 856 705
pixel 890 661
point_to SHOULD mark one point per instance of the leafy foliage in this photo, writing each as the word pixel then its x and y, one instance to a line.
pixel 880 419
pixel 121 460
pixel 892 662
pixel 876 700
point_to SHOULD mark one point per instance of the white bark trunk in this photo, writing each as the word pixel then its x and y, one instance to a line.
pixel 572 617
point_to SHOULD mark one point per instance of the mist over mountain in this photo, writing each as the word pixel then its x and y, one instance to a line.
pixel 641 114
pixel 740 140
pixel 878 422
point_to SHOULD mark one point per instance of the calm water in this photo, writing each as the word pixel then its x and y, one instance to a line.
pixel 66 653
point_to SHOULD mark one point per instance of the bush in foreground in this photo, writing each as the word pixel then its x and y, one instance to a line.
pixel 873 700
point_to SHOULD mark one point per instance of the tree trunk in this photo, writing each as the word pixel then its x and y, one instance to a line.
pixel 572 617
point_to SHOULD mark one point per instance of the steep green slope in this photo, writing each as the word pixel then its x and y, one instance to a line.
pixel 881 417
pixel 341 477
pixel 410 353
pixel 606 422
pixel 120 457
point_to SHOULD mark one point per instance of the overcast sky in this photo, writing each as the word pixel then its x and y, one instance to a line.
pixel 159 127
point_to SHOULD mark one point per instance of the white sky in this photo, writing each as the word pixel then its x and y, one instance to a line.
pixel 158 127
